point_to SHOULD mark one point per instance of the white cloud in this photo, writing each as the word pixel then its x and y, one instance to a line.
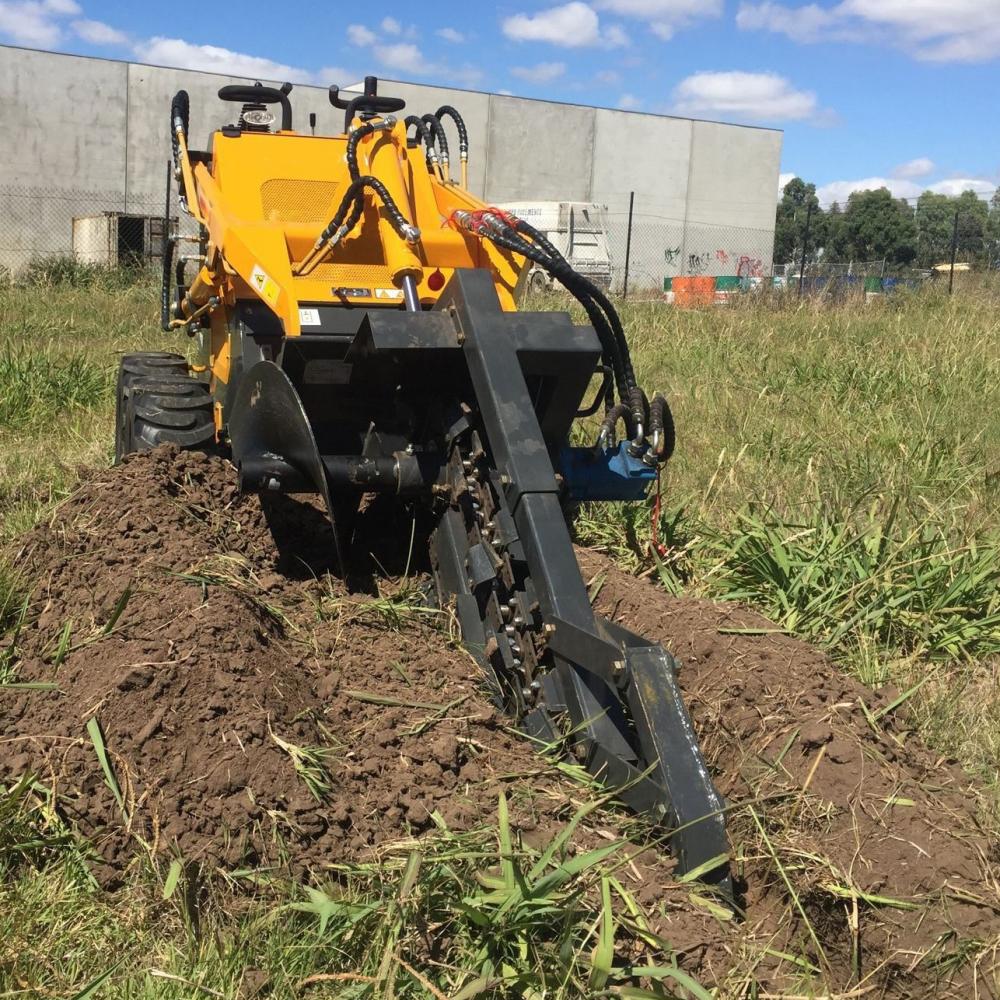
pixel 956 185
pixel 664 17
pixel 506 93
pixel 839 191
pixel 402 56
pixel 450 35
pixel 783 179
pixel 573 25
pixel 336 75
pixel 543 72
pixel 608 76
pixel 755 96
pixel 629 102
pixel 359 35
pixel 215 59
pixel 810 23
pixel 35 22
pixel 931 30
pixel 99 33
pixel 920 167
pixel 406 58
pixel 391 26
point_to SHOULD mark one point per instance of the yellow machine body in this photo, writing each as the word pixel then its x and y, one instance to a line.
pixel 264 201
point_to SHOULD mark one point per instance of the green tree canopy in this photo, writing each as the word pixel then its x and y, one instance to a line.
pixel 879 226
pixel 789 230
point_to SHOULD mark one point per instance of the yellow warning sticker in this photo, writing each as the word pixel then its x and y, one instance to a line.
pixel 264 285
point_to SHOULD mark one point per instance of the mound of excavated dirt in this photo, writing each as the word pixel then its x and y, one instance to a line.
pixel 859 812
pixel 232 653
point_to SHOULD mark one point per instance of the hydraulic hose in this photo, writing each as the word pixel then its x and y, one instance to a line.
pixel 353 201
pixel 180 111
pixel 415 121
pixel 526 229
pixel 606 434
pixel 509 240
pixel 463 137
pixel 436 129
pixel 662 434
pixel 425 136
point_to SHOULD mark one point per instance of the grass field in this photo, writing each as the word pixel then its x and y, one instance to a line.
pixel 837 467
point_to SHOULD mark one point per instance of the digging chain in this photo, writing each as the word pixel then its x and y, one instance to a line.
pixel 515 652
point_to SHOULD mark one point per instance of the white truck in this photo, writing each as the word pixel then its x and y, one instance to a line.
pixel 577 229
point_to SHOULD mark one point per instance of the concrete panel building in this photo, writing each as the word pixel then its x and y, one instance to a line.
pixel 85 137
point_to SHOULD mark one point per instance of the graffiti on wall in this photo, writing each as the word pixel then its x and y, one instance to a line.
pixel 750 267
pixel 719 261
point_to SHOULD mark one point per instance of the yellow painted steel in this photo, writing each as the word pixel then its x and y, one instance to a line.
pixel 265 199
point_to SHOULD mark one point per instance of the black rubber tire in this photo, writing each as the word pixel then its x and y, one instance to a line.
pixel 159 402
pixel 538 282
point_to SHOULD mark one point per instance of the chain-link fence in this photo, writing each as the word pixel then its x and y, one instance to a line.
pixel 93 227
pixel 640 250
pixel 649 250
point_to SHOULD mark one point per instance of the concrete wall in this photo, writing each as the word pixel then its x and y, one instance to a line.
pixel 704 192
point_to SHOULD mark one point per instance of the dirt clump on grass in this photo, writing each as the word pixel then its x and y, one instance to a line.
pixel 865 842
pixel 256 710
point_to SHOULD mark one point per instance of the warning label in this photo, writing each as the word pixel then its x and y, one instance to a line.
pixel 264 285
pixel 309 317
pixel 388 293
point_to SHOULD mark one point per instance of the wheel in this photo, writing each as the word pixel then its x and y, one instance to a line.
pixel 158 402
pixel 538 282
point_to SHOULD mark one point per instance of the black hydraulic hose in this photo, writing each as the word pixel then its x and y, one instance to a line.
pixel 352 195
pixel 511 241
pixel 577 283
pixel 606 434
pixel 415 121
pixel 352 148
pixel 463 132
pixel 525 228
pixel 661 428
pixel 180 111
pixel 435 127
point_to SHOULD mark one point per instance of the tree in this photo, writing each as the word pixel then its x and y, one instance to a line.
pixel 790 223
pixel 877 226
pixel 935 220
pixel 973 220
pixel 835 245
pixel 993 230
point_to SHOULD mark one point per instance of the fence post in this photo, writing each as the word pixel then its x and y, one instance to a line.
pixel 628 243
pixel 805 247
pixel 954 251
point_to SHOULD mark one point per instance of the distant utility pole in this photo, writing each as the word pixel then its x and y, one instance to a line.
pixel 805 247
pixel 954 251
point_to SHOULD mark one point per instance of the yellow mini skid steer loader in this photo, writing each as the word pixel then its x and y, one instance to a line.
pixel 356 314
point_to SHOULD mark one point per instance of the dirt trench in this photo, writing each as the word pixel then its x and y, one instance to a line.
pixel 209 653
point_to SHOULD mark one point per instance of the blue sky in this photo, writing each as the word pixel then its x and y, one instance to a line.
pixel 901 92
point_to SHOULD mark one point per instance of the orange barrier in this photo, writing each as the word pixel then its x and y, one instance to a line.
pixel 693 291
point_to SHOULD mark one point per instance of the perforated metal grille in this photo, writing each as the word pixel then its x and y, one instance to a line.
pixel 287 200
pixel 350 276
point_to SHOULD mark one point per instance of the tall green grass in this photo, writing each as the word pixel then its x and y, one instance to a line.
pixel 838 468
